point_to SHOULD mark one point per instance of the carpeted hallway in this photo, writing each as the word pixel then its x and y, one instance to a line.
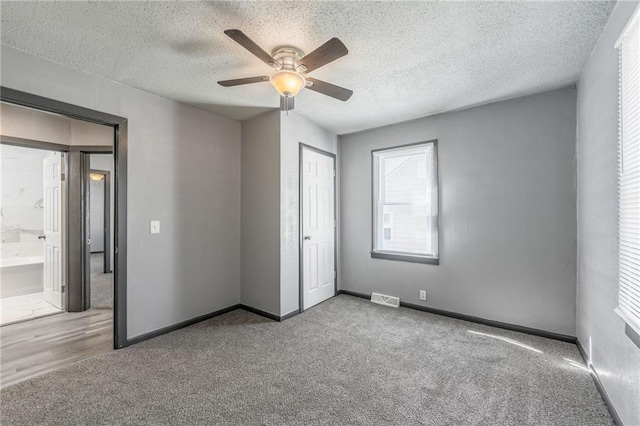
pixel 346 361
pixel 101 284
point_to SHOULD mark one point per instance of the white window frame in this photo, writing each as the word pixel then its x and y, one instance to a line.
pixel 628 181
pixel 401 256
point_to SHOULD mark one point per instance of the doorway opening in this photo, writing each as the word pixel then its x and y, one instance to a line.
pixel 32 229
pixel 100 236
pixel 81 184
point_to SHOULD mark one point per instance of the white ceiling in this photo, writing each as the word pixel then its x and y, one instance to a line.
pixel 406 59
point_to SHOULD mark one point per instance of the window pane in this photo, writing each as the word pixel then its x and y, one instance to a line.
pixel 405 209
pixel 406 180
pixel 411 229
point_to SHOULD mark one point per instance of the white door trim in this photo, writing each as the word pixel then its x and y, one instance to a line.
pixel 302 148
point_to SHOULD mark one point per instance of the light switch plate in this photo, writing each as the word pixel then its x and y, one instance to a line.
pixel 154 227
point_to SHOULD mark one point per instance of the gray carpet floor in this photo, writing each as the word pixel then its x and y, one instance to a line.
pixel 101 284
pixel 344 362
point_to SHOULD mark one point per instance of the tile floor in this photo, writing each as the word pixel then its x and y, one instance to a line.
pixel 26 307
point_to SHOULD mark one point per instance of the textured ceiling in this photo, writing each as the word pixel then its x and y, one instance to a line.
pixel 406 59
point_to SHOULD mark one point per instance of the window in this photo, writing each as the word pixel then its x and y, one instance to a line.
pixel 629 176
pixel 405 203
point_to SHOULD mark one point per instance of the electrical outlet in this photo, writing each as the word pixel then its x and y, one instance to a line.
pixel 154 227
pixel 423 295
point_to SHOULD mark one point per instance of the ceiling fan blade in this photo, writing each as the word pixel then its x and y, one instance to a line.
pixel 244 41
pixel 328 52
pixel 287 104
pixel 329 89
pixel 240 81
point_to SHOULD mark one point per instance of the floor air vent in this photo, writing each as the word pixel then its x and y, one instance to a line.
pixel 383 299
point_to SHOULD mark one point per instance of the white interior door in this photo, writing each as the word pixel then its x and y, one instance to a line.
pixel 318 228
pixel 53 292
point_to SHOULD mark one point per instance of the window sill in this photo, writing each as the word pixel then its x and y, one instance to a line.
pixel 405 258
pixel 630 329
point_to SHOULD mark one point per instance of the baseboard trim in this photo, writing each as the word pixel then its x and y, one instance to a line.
pixel 187 323
pixel 289 315
pixel 603 393
pixel 174 327
pixel 269 315
pixel 260 312
pixel 483 321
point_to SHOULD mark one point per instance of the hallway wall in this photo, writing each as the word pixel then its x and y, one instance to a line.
pixel 41 126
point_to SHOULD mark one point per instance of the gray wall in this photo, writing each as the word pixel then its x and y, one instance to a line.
pixel 37 125
pixel 270 212
pixel 261 212
pixel 184 170
pixel 295 129
pixel 507 213
pixel 599 329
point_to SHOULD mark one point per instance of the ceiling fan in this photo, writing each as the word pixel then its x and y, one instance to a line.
pixel 291 66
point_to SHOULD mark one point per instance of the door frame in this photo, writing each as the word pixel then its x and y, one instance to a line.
pixel 301 149
pixel 120 151
pixel 106 231
pixel 79 277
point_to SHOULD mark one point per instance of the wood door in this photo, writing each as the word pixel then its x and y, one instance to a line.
pixel 318 227
pixel 53 254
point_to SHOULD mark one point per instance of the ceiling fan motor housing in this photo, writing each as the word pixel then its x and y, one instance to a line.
pixel 287 57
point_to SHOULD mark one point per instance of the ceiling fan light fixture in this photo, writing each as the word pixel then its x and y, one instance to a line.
pixel 292 65
pixel 288 83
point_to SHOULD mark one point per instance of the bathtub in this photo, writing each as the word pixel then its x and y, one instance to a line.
pixel 21 275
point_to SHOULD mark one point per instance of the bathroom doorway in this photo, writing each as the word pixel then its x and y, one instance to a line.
pixel 32 230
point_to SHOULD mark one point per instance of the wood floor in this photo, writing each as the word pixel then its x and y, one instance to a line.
pixel 30 348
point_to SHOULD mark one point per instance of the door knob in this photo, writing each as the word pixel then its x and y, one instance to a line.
pixel 42 237
pixel 307 237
